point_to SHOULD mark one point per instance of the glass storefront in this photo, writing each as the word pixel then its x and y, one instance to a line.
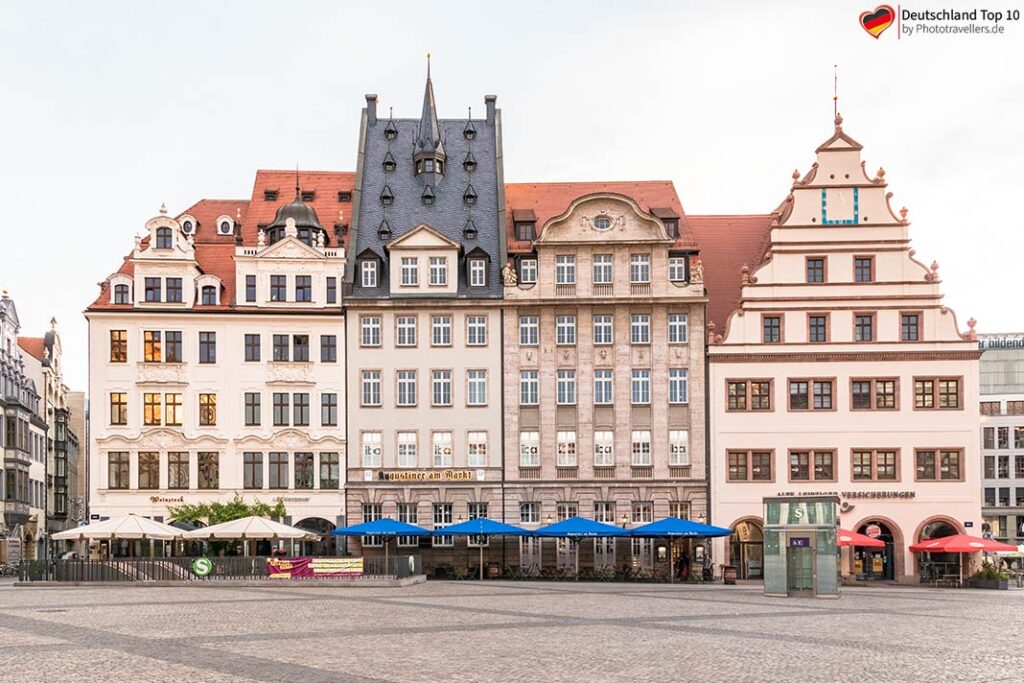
pixel 746 550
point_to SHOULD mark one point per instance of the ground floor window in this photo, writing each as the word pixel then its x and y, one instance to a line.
pixel 529 553
pixel 746 550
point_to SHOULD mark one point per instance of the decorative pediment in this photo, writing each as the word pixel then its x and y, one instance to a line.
pixel 162 439
pixel 603 217
pixel 292 439
pixel 290 248
pixel 422 237
pixel 166 241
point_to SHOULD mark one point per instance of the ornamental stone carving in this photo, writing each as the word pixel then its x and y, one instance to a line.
pixel 508 275
pixel 162 373
pixel 697 272
pixel 278 371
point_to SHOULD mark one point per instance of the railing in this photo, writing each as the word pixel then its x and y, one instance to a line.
pixel 642 472
pixel 604 472
pixel 529 473
pixel 681 471
pixel 604 290
pixel 565 290
pixel 566 472
pixel 640 288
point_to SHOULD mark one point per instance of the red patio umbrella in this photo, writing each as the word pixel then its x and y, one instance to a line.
pixel 960 543
pixel 848 538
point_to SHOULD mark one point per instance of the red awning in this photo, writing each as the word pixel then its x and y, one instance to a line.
pixel 960 543
pixel 845 538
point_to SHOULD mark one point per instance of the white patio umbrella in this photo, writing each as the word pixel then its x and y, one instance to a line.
pixel 127 526
pixel 250 528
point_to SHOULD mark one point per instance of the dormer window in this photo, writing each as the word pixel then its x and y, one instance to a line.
pixel 428 195
pixel 344 197
pixel 384 231
pixel 270 195
pixel 368 273
pixel 390 131
pixel 209 295
pixel 389 163
pixel 188 225
pixel 387 198
pixel 469 196
pixel 225 226
pixel 470 231
pixel 122 294
pixel 164 238
pixel 308 195
pixel 469 163
pixel 477 272
pixel 669 218
pixel 469 132
pixel 526 231
pixel 672 228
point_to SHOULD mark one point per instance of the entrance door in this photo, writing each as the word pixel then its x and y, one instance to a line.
pixel 800 566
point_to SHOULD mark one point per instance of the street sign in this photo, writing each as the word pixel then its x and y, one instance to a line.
pixel 202 566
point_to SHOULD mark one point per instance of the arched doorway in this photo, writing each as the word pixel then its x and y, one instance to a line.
pixel 876 564
pixel 934 565
pixel 327 545
pixel 746 549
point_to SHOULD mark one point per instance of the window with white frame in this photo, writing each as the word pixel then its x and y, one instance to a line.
pixel 476 453
pixel 405 387
pixel 441 387
pixel 604 511
pixel 565 270
pixel 371 513
pixel 368 273
pixel 677 268
pixel 477 510
pixel 679 510
pixel 370 330
pixel 565 330
pixel 410 271
pixel 678 328
pixel 477 272
pixel 441 330
pixel 442 518
pixel 528 271
pixel 641 387
pixel 372 449
pixel 529 330
pixel 602 269
pixel 643 512
pixel 529 449
pixel 529 389
pixel 640 268
pixel 405 330
pixel 476 330
pixel 604 449
pixel 371 387
pixel 678 389
pixel 529 513
pixel 603 331
pixel 566 387
pixel 407 514
pixel 476 387
pixel 439 271
pixel 408 443
pixel 679 447
pixel 640 328
pixel 604 387
pixel 566 449
pixel 442 449
pixel 641 447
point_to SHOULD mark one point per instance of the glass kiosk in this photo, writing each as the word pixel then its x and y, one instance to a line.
pixel 800 554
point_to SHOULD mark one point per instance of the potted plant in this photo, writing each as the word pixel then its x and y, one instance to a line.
pixel 990 576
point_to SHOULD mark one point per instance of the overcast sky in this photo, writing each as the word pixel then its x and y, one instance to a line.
pixel 111 108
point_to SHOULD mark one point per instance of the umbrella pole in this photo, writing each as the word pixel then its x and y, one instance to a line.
pixel 577 544
pixel 671 563
pixel 387 545
pixel 481 562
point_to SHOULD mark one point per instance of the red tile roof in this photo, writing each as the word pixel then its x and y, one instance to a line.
pixel 207 211
pixel 548 200
pixel 726 244
pixel 326 185
pixel 33 346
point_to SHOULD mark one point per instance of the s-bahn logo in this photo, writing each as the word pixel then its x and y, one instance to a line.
pixel 876 21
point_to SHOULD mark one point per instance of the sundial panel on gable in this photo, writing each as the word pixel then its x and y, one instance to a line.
pixel 840 206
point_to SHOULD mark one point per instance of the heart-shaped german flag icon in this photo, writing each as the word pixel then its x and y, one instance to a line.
pixel 877 20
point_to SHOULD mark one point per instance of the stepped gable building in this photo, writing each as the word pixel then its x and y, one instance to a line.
pixel 604 382
pixel 423 298
pixel 217 359
pixel 836 369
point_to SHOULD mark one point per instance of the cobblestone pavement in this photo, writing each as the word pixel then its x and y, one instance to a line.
pixel 500 631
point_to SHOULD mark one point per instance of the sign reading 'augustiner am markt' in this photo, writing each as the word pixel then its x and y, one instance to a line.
pixel 430 475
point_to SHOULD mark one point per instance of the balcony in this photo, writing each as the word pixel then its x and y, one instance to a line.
pixel 529 473
pixel 565 290
pixel 640 288
pixel 15 512
pixel 567 472
pixel 641 472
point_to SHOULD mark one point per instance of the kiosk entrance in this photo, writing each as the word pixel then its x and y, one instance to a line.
pixel 801 558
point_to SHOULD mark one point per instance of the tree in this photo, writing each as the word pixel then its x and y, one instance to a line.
pixel 217 512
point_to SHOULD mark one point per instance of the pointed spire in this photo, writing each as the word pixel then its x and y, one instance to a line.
pixel 298 192
pixel 429 132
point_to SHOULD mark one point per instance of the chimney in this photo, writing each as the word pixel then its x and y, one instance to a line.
pixel 371 110
pixel 490 101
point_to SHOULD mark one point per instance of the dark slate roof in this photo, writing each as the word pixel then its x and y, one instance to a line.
pixel 448 214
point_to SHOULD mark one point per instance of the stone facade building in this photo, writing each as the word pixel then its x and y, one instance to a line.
pixel 835 369
pixel 604 383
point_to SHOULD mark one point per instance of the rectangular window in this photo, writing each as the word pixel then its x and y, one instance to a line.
pixel 750 466
pixel 678 389
pixel 476 387
pixel 152 348
pixel 252 348
pixel 873 394
pixel 250 289
pixel 529 330
pixel 172 409
pixel 154 289
pixel 565 387
pixel 771 329
pixel 476 330
pixel 371 513
pixel 942 393
pixel 282 347
pixel 811 394
pixel 304 292
pixel 370 388
pixel 282 409
pixel 476 454
pixel 602 269
pixel 642 513
pixel 330 471
pixel 405 330
pixel 118 346
pixel 863 269
pixel 172 347
pixel 910 327
pixel 405 386
pixel 300 348
pixel 641 448
pixel 677 268
pixel 410 271
pixel 441 387
pixel 278 288
pixel 328 348
pixel 640 329
pixel 604 449
pixel 177 470
pixel 529 389
pixel 864 327
pixel 811 465
pixel 207 347
pixel 641 387
pixel 252 409
pixel 119 408
pixel 208 469
pixel 874 465
pixel 303 470
pixel 372 449
pixel 149 470
pixel 678 447
pixel 565 330
pixel 118 468
pixel 528 271
pixel 991 407
pixel 639 268
pixel 407 449
pixel 332 292
pixel 529 513
pixel 753 394
pixel 678 328
pixel 438 271
pixel 604 511
pixel 525 231
pixel 603 387
pixel 565 448
pixel 443 452
pixel 815 269
pixel 252 472
pixel 207 410
pixel 407 514
pixel 441 330
pixel 529 449
pixel 565 270
pixel 938 465
pixel 300 410
pixel 278 471
pixel 174 293
pixel 370 330
pixel 603 331
pixel 817 328
pixel 368 273
pixel 477 272
pixel 329 410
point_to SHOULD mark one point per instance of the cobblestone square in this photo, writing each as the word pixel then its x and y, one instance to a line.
pixel 500 631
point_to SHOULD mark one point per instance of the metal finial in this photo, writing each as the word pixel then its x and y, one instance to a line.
pixel 835 90
pixel 428 66
pixel 163 209
pixel 297 190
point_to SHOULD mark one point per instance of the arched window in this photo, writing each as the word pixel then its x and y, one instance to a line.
pixel 121 294
pixel 209 295
pixel 164 238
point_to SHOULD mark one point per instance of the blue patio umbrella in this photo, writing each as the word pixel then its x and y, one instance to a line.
pixel 482 527
pixel 577 528
pixel 382 527
pixel 673 527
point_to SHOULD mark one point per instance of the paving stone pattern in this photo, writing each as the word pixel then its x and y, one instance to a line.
pixel 499 631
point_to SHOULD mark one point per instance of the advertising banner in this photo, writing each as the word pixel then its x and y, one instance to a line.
pixel 314 567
